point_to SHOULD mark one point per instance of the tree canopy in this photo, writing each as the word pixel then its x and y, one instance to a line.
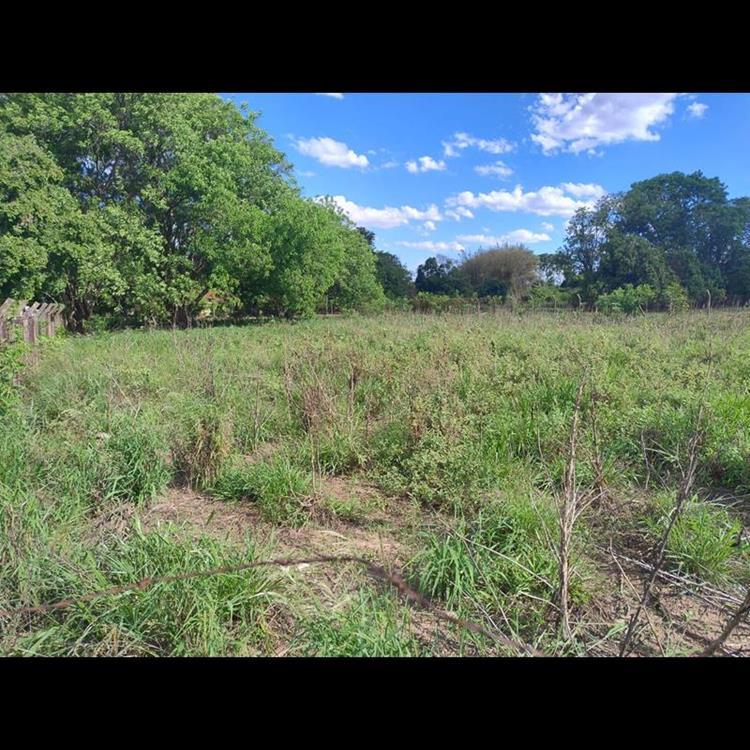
pixel 673 230
pixel 136 206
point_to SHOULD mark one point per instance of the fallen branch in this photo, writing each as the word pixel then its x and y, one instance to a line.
pixel 733 622
pixel 376 571
pixel 683 581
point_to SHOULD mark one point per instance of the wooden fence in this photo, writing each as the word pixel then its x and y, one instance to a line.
pixel 19 319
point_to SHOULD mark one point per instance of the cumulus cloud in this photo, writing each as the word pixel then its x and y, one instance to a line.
pixel 583 189
pixel 330 153
pixel 429 226
pixel 547 201
pixel 584 122
pixel 459 212
pixel 387 217
pixel 525 236
pixel 461 141
pixel 498 169
pixel 548 227
pixel 697 110
pixel 333 96
pixel 425 164
pixel 434 247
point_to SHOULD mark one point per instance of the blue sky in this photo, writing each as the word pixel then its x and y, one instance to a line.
pixel 437 173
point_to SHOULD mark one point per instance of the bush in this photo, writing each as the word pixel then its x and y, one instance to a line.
pixel 675 298
pixel 627 299
pixel 429 302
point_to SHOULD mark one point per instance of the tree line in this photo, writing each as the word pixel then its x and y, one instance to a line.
pixel 670 241
pixel 136 209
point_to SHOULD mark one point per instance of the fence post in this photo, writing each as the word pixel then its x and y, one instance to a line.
pixel 39 319
pixel 4 308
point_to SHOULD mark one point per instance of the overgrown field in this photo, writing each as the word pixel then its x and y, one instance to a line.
pixel 438 446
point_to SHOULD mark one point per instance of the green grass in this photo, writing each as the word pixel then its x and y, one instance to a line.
pixel 371 624
pixel 209 616
pixel 501 563
pixel 704 541
pixel 277 486
pixel 465 417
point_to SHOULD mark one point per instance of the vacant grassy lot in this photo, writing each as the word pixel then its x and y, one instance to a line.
pixel 438 446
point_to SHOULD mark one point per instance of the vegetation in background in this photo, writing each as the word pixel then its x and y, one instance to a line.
pixel 678 234
pixel 670 241
pixel 156 209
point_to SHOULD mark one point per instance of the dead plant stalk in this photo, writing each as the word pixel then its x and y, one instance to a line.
pixel 683 494
pixel 570 505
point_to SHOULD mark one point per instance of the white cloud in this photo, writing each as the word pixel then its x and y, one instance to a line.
pixel 517 235
pixel 333 96
pixel 459 212
pixel 429 226
pixel 434 247
pixel 583 189
pixel 330 153
pixel 389 164
pixel 461 141
pixel 583 122
pixel 548 227
pixel 426 164
pixel 547 201
pixel 697 109
pixel 387 217
pixel 306 174
pixel 498 169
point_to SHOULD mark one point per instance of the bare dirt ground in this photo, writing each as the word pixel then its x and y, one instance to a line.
pixel 682 619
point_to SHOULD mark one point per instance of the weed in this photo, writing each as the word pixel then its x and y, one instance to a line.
pixel 703 542
pixel 278 487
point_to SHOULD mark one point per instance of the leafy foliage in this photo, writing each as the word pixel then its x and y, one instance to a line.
pixel 136 206
pixel 674 231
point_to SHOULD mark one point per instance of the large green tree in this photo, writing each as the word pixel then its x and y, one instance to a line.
pixel 701 231
pixel 393 276
pixel 190 170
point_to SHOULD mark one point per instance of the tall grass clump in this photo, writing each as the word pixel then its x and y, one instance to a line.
pixel 136 468
pixel 203 616
pixel 500 561
pixel 705 540
pixel 278 487
pixel 203 445
pixel 11 359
